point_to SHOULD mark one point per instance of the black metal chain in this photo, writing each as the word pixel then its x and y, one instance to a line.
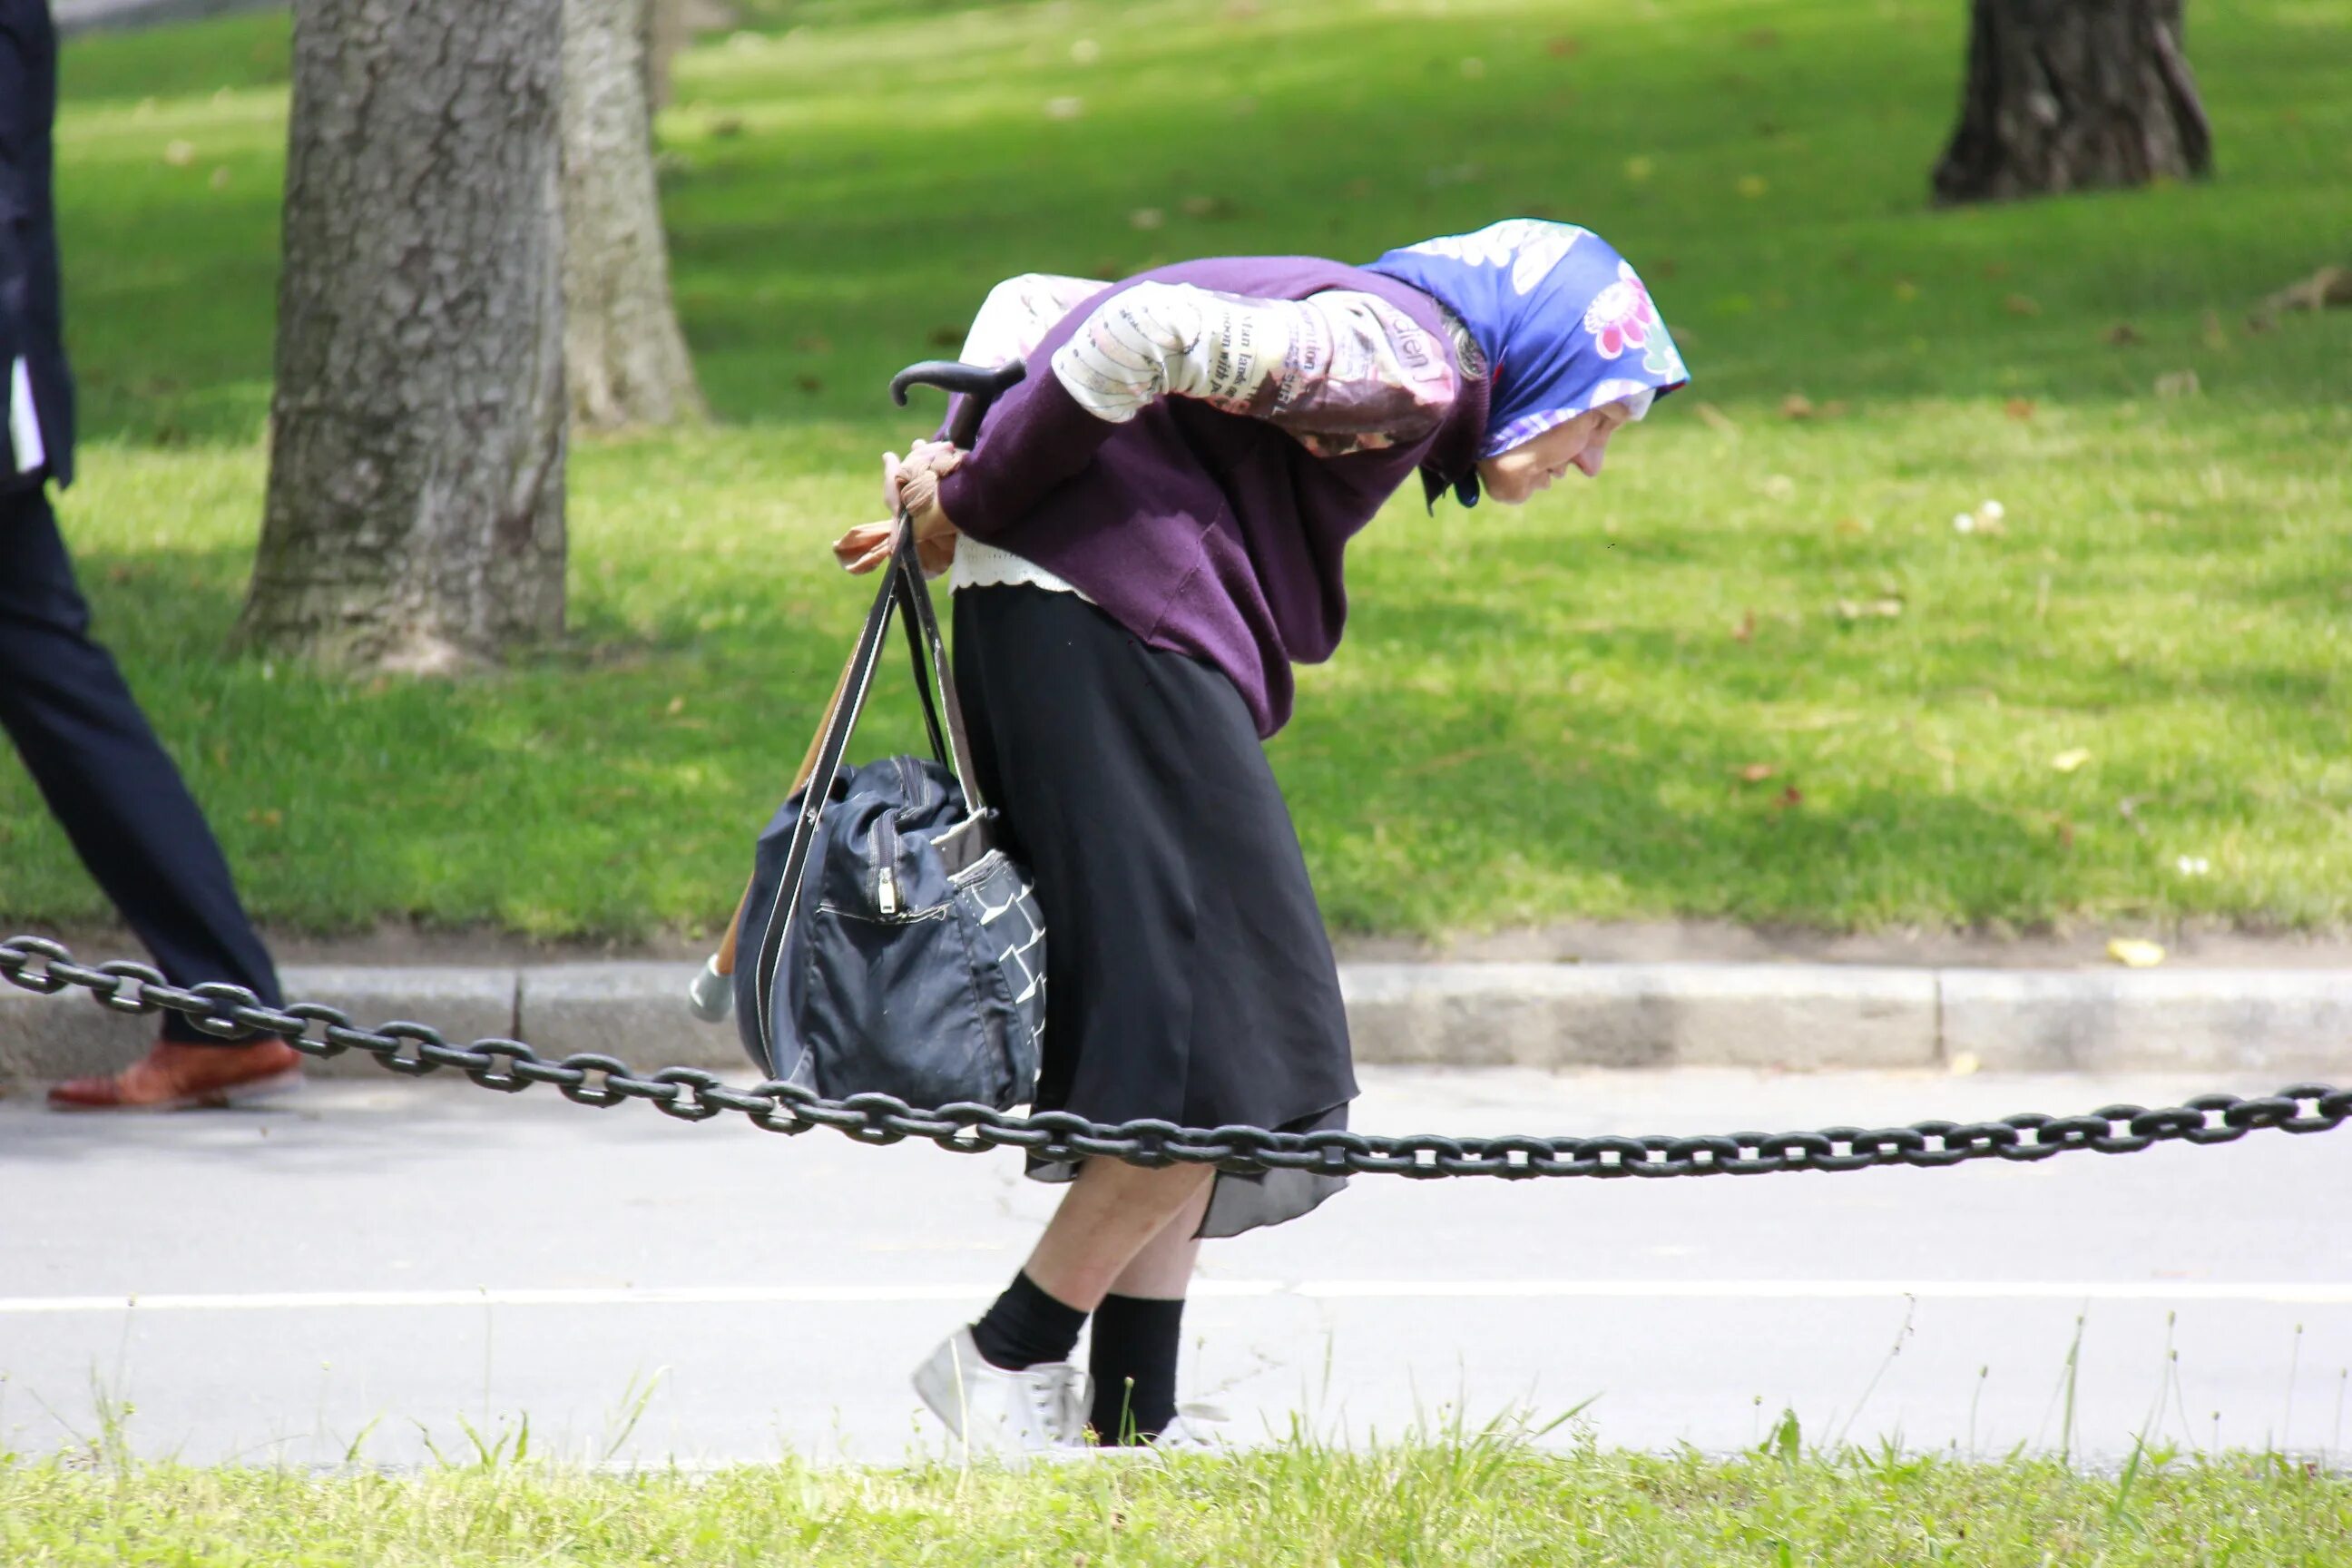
pixel 690 1094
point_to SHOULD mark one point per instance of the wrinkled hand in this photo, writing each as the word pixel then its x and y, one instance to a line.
pixel 910 484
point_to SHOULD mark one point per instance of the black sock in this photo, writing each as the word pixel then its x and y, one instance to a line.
pixel 1134 1365
pixel 1026 1327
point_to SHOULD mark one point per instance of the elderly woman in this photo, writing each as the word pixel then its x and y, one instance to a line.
pixel 1146 535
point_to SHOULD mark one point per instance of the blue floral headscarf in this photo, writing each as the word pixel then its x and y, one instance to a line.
pixel 1565 325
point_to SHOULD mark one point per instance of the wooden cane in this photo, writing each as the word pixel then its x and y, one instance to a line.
pixel 709 995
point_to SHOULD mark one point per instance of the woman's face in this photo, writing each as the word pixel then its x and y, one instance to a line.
pixel 1513 476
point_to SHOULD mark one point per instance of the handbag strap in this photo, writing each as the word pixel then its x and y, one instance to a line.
pixel 904 588
pixel 921 656
pixel 916 597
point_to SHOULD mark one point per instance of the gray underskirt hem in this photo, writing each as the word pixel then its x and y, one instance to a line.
pixel 1243 1200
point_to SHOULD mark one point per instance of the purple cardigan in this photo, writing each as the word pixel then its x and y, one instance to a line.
pixel 1205 532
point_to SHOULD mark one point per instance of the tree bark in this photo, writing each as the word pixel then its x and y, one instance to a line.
pixel 625 359
pixel 414 517
pixel 2067 95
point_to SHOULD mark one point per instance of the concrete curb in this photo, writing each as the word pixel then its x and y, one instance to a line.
pixel 2257 1027
pixel 75 17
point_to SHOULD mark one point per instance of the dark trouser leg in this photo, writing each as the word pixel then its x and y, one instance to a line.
pixel 106 777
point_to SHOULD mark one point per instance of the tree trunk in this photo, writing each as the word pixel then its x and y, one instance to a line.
pixel 415 507
pixel 2068 95
pixel 625 359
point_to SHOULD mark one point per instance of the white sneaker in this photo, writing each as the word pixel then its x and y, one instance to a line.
pixel 1019 1415
pixel 1193 1431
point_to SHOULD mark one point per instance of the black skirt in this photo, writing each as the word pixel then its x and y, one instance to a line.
pixel 1188 974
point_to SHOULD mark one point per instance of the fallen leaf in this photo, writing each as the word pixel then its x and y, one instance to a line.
pixel 2178 384
pixel 676 705
pixel 1447 759
pixel 2020 305
pixel 266 816
pixel 2067 761
pixel 1563 49
pixel 2123 334
pixel 2135 953
pixel 1715 419
pixel 808 383
pixel 1746 630
pixel 179 154
pixel 2018 408
pixel 1788 797
pixel 1796 405
pixel 1757 772
pixel 1146 217
pixel 1853 527
pixel 1964 1065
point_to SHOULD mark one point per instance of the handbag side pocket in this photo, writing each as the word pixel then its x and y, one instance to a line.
pixel 889 1006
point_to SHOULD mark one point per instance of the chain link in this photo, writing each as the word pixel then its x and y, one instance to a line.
pixel 690 1094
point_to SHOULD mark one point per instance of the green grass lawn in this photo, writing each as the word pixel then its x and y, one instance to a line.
pixel 1470 1501
pixel 1753 672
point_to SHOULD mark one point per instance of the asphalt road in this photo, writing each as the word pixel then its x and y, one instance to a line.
pixel 374 1269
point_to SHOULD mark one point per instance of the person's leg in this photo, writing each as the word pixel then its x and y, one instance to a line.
pixel 108 781
pixel 1138 1331
pixel 1112 1212
pixel 1005 1383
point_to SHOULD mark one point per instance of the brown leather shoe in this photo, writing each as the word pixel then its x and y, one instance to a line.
pixel 176 1076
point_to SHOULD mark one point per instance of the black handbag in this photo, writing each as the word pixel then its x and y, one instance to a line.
pixel 888 943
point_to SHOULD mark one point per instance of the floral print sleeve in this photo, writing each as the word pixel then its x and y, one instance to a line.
pixel 1339 371
pixel 1018 314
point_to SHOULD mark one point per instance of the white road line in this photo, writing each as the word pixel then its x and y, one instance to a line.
pixel 2321 1292
pixel 2290 1292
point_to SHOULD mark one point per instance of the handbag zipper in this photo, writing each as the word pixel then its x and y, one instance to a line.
pixel 885 880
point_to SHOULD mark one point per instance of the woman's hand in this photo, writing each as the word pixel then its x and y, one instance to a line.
pixel 912 484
